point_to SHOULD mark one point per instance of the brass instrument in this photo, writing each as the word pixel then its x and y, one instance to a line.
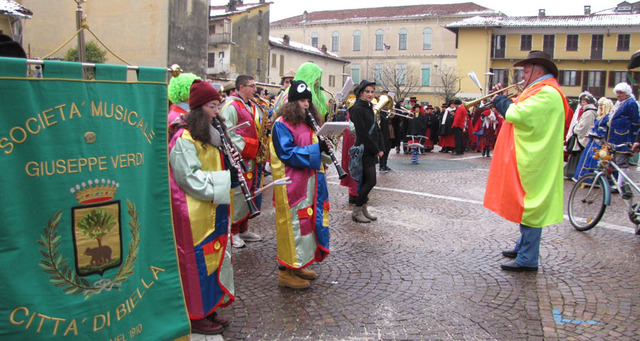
pixel 470 104
pixel 384 103
pixel 263 133
pixel 397 112
pixel 333 106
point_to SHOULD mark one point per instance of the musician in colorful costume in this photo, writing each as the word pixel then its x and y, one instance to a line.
pixel 302 207
pixel 237 110
pixel 200 194
pixel 525 183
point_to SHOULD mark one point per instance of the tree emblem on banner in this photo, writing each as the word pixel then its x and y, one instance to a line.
pixel 97 241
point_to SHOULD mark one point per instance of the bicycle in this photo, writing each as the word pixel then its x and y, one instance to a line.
pixel 591 195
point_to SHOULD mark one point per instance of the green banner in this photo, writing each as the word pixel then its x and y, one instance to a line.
pixel 86 240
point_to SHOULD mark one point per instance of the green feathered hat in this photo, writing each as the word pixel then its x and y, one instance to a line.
pixel 178 90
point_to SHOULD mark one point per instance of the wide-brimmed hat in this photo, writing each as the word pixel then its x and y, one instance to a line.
pixel 290 74
pixel 10 48
pixel 230 85
pixel 540 58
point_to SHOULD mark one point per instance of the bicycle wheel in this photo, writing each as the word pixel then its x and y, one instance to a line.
pixel 586 202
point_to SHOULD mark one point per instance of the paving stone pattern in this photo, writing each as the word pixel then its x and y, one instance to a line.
pixel 429 269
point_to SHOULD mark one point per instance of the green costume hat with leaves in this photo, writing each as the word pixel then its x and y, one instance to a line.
pixel 311 73
pixel 178 90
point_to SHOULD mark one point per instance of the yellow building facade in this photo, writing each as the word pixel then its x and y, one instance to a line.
pixel 591 51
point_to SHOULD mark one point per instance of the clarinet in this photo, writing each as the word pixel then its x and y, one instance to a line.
pixel 341 173
pixel 229 150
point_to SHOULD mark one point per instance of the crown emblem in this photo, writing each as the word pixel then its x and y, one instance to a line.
pixel 95 192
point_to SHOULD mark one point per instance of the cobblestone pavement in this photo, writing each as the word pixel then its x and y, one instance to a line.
pixel 429 269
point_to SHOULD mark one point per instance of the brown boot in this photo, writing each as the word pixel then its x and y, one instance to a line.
pixel 366 213
pixel 205 326
pixel 288 279
pixel 357 215
pixel 305 274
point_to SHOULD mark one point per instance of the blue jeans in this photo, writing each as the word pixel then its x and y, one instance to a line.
pixel 528 246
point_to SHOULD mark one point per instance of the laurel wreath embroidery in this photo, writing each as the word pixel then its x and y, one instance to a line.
pixel 64 277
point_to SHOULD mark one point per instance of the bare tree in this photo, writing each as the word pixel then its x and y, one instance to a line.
pixel 399 79
pixel 449 83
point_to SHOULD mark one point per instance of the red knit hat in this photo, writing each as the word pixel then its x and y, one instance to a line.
pixel 202 93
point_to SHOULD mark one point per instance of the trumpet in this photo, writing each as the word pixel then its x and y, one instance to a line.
pixel 470 104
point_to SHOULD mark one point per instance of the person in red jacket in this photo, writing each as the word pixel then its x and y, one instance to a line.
pixel 459 122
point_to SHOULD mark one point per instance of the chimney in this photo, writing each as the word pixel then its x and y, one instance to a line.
pixel 231 6
pixel 305 15
pixel 240 2
pixel 587 10
pixel 541 12
pixel 324 48
pixel 262 1
pixel 285 39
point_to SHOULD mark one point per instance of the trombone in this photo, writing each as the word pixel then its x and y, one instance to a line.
pixel 397 112
pixel 470 104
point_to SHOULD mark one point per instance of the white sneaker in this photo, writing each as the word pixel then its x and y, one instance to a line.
pixel 237 242
pixel 249 236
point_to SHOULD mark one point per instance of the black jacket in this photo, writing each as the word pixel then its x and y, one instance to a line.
pixel 363 117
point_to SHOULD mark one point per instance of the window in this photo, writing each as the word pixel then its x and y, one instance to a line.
pixel 498 49
pixel 258 65
pixel 525 42
pixel 355 73
pixel 314 40
pixel 401 74
pixel 402 39
pixel 427 39
pixel 426 75
pixel 594 79
pixel 335 42
pixel 332 80
pixel 623 42
pixel 211 59
pixel 377 73
pixel 597 43
pixel 282 64
pixel 572 42
pixel 357 40
pixel 548 44
pixel 500 76
pixel 616 77
pixel 569 77
pixel 379 40
pixel 274 60
pixel 260 20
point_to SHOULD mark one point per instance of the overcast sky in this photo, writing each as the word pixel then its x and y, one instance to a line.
pixel 281 9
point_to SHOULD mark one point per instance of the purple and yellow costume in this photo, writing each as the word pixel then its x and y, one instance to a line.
pixel 200 196
pixel 302 207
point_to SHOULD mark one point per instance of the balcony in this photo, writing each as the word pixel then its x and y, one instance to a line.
pixel 219 38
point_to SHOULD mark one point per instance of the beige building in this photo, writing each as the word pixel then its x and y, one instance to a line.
pixel 239 40
pixel 142 32
pixel 406 49
pixel 591 50
pixel 13 16
pixel 288 55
